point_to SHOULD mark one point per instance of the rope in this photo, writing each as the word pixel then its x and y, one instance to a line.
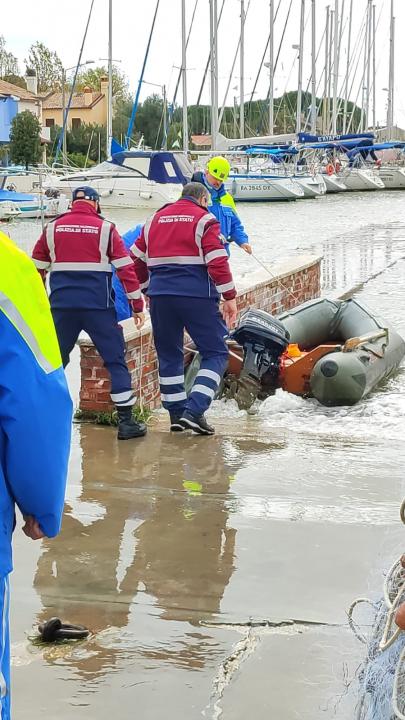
pixel 394 581
pixel 275 278
pixel 352 624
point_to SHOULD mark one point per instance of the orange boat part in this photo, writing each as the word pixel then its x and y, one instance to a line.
pixel 295 371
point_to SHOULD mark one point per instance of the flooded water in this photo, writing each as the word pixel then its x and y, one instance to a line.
pixel 215 573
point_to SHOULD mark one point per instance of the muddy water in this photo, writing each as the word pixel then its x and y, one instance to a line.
pixel 215 573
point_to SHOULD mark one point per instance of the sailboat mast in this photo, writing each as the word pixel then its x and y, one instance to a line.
pixel 271 70
pixel 242 70
pixel 313 74
pixel 374 58
pixel 325 92
pixel 110 94
pixel 390 107
pixel 349 42
pixel 300 62
pixel 369 43
pixel 184 74
pixel 335 67
pixel 214 72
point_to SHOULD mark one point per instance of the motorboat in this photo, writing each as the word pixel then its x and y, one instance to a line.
pixel 362 178
pixel 131 179
pixel 393 177
pixel 334 351
pixel 262 187
pixel 26 205
pixel 313 185
pixel 334 183
pixel 9 211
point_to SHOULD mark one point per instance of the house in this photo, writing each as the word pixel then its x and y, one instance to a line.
pixel 13 100
pixel 201 142
pixel 86 107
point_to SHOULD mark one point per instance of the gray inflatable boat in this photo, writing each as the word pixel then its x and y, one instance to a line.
pixel 356 350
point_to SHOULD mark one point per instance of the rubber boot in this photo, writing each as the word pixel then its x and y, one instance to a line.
pixel 128 427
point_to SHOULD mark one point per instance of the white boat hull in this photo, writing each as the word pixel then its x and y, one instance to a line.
pixel 32 209
pixel 362 179
pixel 334 184
pixel 266 189
pixel 312 185
pixel 393 177
pixel 119 192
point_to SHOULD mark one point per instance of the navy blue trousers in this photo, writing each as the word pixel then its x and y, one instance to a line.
pixel 106 334
pixel 170 315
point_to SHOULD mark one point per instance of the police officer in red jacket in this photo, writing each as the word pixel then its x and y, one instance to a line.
pixel 182 265
pixel 78 249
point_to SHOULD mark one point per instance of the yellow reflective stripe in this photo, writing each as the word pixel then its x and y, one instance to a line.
pixel 21 285
pixel 7 307
pixel 228 201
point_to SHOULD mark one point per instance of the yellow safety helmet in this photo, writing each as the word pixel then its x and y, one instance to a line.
pixel 219 168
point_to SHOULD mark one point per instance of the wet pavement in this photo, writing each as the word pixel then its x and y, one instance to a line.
pixel 214 577
pixel 215 573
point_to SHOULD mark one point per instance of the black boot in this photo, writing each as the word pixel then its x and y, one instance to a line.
pixel 128 427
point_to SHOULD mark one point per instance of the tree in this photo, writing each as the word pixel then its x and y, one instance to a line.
pixel 8 61
pixel 47 66
pixel 148 120
pixel 15 80
pixel 91 78
pixel 25 146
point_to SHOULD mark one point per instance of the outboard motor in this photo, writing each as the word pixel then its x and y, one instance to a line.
pixel 263 339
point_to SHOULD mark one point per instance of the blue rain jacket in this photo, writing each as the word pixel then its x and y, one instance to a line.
pixel 35 405
pixel 223 207
pixel 121 303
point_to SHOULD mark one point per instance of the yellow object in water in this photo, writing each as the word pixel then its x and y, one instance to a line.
pixel 193 488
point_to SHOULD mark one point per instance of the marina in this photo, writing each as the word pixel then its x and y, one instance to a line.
pixel 336 532
pixel 212 227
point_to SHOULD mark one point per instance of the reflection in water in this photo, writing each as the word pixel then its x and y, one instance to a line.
pixel 352 259
pixel 163 543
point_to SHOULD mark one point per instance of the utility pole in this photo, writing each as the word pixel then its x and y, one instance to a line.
pixel 300 63
pixel 242 69
pixel 313 73
pixel 271 70
pixel 184 74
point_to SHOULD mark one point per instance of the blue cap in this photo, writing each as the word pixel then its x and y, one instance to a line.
pixel 85 192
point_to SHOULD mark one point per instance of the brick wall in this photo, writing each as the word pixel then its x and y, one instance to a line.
pixel 292 283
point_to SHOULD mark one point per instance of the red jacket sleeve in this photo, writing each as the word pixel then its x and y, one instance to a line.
pixel 41 256
pixel 138 251
pixel 124 266
pixel 216 259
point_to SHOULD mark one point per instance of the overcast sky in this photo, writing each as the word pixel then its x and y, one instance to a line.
pixel 61 27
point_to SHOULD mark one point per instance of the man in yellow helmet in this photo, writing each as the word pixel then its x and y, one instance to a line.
pixel 35 423
pixel 222 203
